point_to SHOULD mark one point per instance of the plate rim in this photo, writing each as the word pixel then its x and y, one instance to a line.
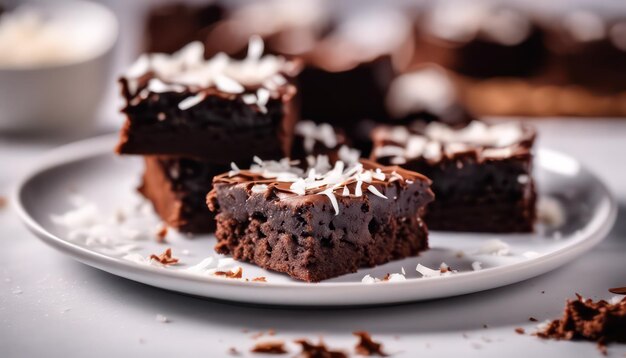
pixel 101 145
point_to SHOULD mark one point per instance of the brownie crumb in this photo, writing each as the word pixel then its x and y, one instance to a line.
pixel 542 292
pixel 520 330
pixel 161 233
pixel 233 351
pixel 319 350
pixel 165 258
pixel 584 319
pixel 3 202
pixel 485 326
pixel 259 279
pixel 269 347
pixel 532 319
pixel 366 346
pixel 618 290
pixel 238 273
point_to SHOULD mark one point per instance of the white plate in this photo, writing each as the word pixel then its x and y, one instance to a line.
pixel 91 169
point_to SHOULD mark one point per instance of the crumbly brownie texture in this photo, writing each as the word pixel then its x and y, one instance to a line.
pixel 584 319
pixel 323 222
pixel 481 173
pixel 184 105
pixel 316 139
pixel 177 188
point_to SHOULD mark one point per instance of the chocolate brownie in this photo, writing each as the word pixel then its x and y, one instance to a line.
pixel 480 40
pixel 177 188
pixel 323 222
pixel 481 173
pixel 186 106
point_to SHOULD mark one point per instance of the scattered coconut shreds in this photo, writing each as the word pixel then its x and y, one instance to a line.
pixel 390 277
pixel 444 270
pixel 495 247
pixel 477 266
pixel 165 258
pixel 321 178
pixel 187 68
pixel 161 318
pixel 270 347
pixel 236 272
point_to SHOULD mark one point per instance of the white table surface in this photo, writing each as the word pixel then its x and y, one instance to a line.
pixel 52 306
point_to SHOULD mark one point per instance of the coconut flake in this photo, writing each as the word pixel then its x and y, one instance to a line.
pixel 369 279
pixel 358 191
pixel 228 85
pixel 192 101
pixel 375 191
pixel 162 319
pixel 346 191
pixel 396 277
pixel 550 212
pixel 255 48
pixel 333 200
pixel 495 247
pixel 477 266
pixel 427 272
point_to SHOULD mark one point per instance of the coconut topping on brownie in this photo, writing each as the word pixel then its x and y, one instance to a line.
pixel 347 177
pixel 435 140
pixel 311 132
pixel 256 77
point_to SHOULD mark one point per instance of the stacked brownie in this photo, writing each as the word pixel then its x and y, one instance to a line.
pixel 481 173
pixel 323 220
pixel 191 118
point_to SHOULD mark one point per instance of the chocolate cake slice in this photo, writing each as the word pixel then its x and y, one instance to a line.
pixel 184 105
pixel 321 222
pixel 481 173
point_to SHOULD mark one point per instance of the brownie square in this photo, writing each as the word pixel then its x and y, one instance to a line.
pixel 187 106
pixel 330 224
pixel 481 173
pixel 177 188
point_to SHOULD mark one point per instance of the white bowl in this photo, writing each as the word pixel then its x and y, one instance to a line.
pixel 63 96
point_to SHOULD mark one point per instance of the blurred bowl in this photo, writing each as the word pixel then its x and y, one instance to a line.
pixel 64 96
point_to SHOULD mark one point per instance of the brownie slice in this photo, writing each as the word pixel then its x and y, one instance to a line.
pixel 184 105
pixel 323 222
pixel 177 188
pixel 481 173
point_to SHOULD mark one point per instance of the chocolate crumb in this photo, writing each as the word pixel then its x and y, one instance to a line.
pixel 584 319
pixel 3 202
pixel 161 233
pixel 542 292
pixel 366 346
pixel 270 347
pixel 320 350
pixel 520 330
pixel 233 351
pixel 618 290
pixel 230 274
pixel 532 319
pixel 485 326
pixel 602 348
pixel 165 258
pixel 259 279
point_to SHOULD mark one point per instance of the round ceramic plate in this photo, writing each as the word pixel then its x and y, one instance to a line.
pixel 81 199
